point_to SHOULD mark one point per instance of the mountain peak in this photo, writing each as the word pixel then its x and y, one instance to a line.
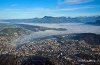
pixel 48 17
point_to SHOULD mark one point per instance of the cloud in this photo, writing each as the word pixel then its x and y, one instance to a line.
pixel 40 12
pixel 69 8
pixel 74 1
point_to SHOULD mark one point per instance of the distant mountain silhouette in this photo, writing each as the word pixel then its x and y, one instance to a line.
pixel 50 19
pixel 97 23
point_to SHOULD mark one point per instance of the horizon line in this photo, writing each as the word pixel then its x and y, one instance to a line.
pixel 51 16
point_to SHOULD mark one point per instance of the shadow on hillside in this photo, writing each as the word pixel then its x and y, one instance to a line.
pixel 7 59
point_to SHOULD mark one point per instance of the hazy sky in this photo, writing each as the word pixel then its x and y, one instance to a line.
pixel 38 8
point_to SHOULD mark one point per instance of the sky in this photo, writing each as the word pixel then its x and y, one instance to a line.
pixel 22 9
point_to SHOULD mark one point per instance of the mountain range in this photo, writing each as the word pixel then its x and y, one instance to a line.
pixel 97 23
pixel 50 19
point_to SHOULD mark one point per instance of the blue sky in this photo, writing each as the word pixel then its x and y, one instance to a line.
pixel 17 9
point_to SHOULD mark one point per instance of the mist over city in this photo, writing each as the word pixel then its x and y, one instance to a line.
pixel 49 32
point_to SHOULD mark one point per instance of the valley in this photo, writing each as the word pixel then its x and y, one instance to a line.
pixel 58 44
